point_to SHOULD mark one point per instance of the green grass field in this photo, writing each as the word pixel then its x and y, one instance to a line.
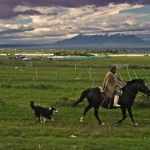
pixel 59 84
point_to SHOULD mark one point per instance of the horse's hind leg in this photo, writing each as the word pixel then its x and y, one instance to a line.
pixel 96 110
pixel 85 111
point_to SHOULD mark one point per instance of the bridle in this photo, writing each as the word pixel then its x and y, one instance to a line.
pixel 145 90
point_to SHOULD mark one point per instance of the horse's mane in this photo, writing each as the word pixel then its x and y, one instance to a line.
pixel 128 83
pixel 134 81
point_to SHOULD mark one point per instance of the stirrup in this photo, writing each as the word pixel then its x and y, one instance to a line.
pixel 117 105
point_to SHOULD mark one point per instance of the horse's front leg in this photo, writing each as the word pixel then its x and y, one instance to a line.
pixel 123 109
pixel 96 110
pixel 131 116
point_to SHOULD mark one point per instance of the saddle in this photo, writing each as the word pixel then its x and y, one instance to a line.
pixel 105 96
pixel 107 102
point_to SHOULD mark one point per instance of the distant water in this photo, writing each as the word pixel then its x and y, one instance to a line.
pixel 134 49
pixel 47 47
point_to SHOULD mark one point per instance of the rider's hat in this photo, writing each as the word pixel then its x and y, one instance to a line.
pixel 113 67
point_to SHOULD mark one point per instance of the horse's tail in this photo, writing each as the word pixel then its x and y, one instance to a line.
pixel 83 95
pixel 32 105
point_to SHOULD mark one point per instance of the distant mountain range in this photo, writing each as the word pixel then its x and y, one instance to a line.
pixel 90 42
pixel 101 39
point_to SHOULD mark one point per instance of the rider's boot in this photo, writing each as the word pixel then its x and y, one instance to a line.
pixel 116 98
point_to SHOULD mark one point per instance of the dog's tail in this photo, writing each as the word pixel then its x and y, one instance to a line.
pixel 32 105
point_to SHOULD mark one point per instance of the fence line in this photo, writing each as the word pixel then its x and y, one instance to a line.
pixel 88 74
pixel 135 74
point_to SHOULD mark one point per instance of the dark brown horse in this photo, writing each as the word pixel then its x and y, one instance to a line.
pixel 96 99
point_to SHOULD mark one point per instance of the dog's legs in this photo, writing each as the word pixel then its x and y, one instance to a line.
pixel 42 119
pixel 39 118
pixel 52 119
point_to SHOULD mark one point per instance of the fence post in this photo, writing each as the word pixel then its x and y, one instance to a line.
pixel 135 74
pixel 90 73
pixel 129 74
pixel 36 73
pixel 75 66
pixel 15 72
pixel 57 77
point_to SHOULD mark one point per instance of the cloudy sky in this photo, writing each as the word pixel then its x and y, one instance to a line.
pixel 47 21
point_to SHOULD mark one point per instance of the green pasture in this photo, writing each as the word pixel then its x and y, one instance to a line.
pixel 59 84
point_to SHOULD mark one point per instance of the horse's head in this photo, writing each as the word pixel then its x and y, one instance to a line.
pixel 140 85
pixel 143 87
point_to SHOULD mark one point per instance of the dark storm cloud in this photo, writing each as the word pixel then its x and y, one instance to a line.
pixel 7 12
pixel 29 12
pixel 12 31
pixel 7 6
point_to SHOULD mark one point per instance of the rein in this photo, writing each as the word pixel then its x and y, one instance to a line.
pixel 145 90
pixel 130 91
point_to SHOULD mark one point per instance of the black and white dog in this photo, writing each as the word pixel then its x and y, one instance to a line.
pixel 43 113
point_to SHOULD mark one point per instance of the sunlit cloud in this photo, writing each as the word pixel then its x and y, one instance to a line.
pixel 57 21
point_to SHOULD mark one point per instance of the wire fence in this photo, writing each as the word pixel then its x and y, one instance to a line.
pixel 55 75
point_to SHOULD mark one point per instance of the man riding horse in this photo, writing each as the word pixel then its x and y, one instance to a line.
pixel 112 85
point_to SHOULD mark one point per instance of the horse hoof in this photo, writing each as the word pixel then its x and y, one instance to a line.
pixel 135 124
pixel 116 122
pixel 103 124
pixel 81 119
